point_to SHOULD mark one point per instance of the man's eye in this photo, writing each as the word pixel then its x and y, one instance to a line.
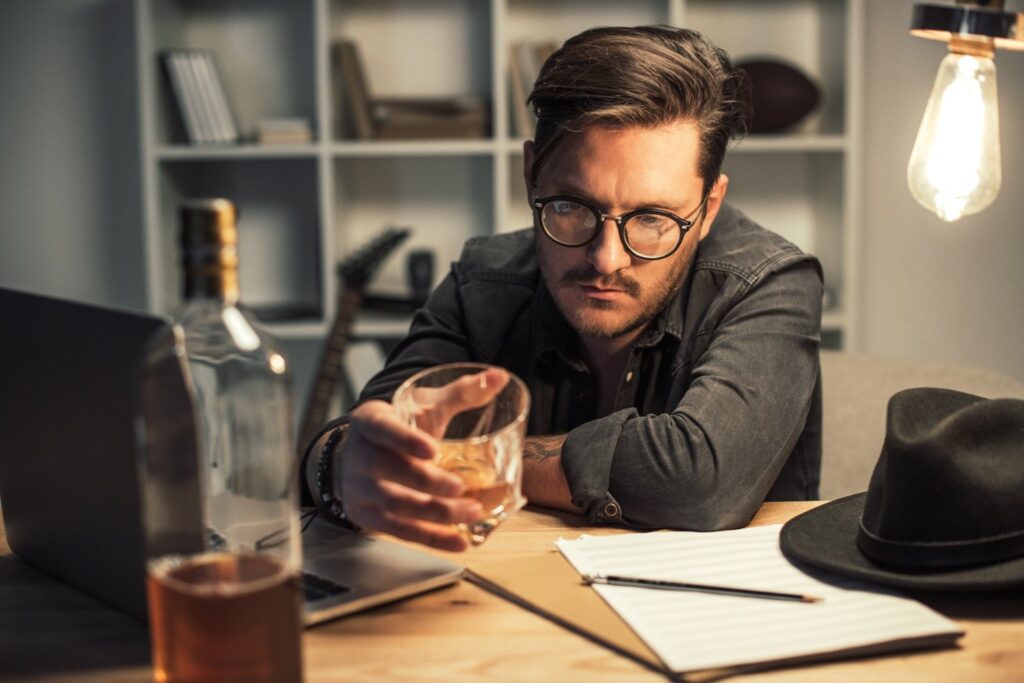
pixel 563 207
pixel 653 221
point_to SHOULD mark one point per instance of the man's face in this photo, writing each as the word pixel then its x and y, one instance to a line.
pixel 601 289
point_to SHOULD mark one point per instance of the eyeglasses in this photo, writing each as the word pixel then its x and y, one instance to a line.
pixel 646 233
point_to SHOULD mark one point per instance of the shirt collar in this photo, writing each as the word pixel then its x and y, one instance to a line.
pixel 552 332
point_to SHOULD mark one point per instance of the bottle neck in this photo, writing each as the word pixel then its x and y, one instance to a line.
pixel 211 272
pixel 216 283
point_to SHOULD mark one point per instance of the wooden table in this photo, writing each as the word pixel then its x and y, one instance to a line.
pixel 463 633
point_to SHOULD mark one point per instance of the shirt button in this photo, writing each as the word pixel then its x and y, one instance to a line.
pixel 611 510
pixel 629 376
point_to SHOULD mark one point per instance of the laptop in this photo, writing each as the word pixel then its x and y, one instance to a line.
pixel 69 488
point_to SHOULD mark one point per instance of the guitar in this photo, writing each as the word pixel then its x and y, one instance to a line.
pixel 354 272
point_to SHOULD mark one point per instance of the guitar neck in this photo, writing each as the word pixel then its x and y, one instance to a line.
pixel 328 372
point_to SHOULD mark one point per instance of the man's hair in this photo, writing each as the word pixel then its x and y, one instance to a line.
pixel 643 76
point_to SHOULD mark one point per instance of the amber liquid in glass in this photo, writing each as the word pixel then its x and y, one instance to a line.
pixel 224 617
pixel 474 464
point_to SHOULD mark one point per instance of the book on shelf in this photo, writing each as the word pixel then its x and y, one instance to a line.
pixel 391 118
pixel 525 60
pixel 288 131
pixel 522 117
pixel 199 94
pixel 452 117
pixel 353 97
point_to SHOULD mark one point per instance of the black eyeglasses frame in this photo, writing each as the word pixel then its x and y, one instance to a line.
pixel 539 203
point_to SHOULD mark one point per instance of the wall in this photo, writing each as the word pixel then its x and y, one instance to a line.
pixel 70 209
pixel 70 205
pixel 944 291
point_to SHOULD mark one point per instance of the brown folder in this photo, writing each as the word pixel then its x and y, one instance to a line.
pixel 548 585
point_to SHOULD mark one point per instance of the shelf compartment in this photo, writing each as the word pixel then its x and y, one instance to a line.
pixel 799 196
pixel 518 213
pixel 262 49
pixel 462 28
pixel 543 20
pixel 749 29
pixel 278 233
pixel 444 200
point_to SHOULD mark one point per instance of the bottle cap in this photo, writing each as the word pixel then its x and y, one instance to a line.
pixel 207 222
pixel 209 241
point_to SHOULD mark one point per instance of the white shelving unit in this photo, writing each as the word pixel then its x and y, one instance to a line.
pixel 304 207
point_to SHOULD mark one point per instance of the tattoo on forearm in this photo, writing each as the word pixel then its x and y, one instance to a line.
pixel 543 447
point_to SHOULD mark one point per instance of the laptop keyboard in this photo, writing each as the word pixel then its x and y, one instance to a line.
pixel 316 587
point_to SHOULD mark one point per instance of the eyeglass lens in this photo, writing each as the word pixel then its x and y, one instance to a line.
pixel 574 223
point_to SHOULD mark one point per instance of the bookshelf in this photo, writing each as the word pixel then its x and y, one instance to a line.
pixel 305 206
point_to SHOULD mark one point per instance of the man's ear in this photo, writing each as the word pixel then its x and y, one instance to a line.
pixel 528 154
pixel 715 199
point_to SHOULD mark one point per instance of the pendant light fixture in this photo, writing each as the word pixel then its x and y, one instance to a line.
pixel 955 167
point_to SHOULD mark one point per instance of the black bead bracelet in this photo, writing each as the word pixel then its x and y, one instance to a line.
pixel 330 502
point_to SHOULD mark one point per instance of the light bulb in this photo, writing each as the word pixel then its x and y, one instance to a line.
pixel 954 169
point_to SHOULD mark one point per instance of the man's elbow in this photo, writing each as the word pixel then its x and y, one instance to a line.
pixel 708 507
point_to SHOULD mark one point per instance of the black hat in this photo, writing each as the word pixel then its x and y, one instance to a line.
pixel 945 506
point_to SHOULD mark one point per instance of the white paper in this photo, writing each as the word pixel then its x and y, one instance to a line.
pixel 692 631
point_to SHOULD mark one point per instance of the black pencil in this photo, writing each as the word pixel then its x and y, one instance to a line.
pixel 660 584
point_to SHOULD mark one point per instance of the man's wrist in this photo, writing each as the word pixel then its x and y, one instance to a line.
pixel 327 469
pixel 544 481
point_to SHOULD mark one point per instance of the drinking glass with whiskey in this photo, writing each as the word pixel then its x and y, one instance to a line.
pixel 479 414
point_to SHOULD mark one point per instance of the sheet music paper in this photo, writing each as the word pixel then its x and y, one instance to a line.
pixel 694 631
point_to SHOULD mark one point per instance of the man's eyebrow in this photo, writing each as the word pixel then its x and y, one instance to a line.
pixel 568 187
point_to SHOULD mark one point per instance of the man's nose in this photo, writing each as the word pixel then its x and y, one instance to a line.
pixel 607 253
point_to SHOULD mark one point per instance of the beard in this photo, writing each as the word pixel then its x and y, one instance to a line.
pixel 651 299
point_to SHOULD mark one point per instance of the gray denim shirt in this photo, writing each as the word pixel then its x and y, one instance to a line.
pixel 719 407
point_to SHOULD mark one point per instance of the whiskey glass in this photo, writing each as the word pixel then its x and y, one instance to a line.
pixel 478 412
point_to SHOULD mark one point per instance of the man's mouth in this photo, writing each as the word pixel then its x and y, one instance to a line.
pixel 602 293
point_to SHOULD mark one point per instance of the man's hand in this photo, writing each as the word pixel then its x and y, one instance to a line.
pixel 434 407
pixel 385 469
pixel 388 482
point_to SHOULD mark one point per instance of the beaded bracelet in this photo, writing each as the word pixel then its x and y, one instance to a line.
pixel 325 481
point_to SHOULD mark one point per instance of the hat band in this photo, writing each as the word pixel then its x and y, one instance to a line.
pixel 940 554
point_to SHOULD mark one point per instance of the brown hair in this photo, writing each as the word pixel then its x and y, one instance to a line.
pixel 641 76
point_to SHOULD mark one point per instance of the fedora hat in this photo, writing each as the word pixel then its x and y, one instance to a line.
pixel 944 510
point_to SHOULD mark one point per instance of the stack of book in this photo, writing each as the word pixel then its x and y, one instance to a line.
pixel 199 93
pixel 453 117
pixel 368 118
pixel 283 132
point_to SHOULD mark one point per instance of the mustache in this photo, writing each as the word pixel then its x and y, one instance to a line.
pixel 588 275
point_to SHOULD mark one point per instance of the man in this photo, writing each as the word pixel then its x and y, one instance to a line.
pixel 670 344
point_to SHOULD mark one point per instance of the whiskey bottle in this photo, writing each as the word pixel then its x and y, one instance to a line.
pixel 218 477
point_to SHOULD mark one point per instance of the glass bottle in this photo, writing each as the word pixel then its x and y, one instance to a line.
pixel 219 477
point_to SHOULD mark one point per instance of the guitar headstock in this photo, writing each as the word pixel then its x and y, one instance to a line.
pixel 357 269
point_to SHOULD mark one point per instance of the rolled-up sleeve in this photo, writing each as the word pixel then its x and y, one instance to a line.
pixel 708 461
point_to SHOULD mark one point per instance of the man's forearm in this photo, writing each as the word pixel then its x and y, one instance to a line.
pixel 544 481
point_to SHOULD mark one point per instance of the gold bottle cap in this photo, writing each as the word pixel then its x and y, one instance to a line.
pixel 209 241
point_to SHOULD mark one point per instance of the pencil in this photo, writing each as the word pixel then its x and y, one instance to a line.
pixel 660 584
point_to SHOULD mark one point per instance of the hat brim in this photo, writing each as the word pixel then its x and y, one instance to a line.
pixel 826 537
